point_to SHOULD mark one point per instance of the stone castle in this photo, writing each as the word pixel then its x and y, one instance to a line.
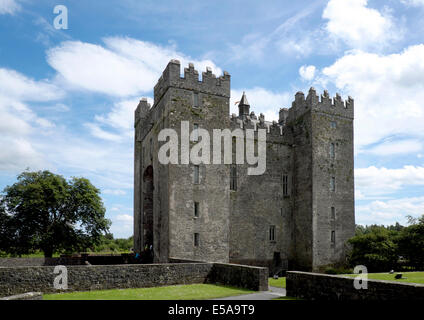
pixel 297 215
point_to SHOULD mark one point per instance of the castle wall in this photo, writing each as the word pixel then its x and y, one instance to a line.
pixel 259 203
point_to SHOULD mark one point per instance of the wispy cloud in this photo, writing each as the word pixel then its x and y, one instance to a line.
pixel 9 6
pixel 373 181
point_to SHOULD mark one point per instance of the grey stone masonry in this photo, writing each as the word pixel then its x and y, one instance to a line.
pixel 19 280
pixel 298 214
pixel 315 286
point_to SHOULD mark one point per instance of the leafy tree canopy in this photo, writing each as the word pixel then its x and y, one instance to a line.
pixel 43 211
pixel 382 248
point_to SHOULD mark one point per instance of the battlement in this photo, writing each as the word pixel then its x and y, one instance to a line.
pixel 210 83
pixel 273 128
pixel 324 103
pixel 141 111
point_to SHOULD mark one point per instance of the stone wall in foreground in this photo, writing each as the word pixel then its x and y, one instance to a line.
pixel 19 280
pixel 254 278
pixel 315 286
pixel 103 259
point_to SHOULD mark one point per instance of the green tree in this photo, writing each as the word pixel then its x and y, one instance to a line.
pixel 375 247
pixel 43 211
pixel 411 243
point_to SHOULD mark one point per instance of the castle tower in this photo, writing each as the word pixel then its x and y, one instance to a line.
pixel 324 216
pixel 180 209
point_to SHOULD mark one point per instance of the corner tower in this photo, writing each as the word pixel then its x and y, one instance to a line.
pixel 324 217
pixel 189 209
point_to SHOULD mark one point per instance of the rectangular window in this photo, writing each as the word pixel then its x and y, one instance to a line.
pixel 333 236
pixel 333 214
pixel 196 209
pixel 285 185
pixel 271 233
pixel 196 239
pixel 195 132
pixel 332 150
pixel 196 174
pixel 333 184
pixel 233 177
pixel 333 124
pixel 195 100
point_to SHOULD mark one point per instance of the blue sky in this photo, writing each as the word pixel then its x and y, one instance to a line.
pixel 67 97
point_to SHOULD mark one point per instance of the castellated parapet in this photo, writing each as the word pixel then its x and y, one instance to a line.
pixel 324 104
pixel 298 214
pixel 210 83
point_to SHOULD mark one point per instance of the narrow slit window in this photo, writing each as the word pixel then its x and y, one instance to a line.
pixel 333 236
pixel 332 150
pixel 195 100
pixel 333 214
pixel 195 132
pixel 196 239
pixel 233 177
pixel 196 174
pixel 196 209
pixel 285 185
pixel 271 233
pixel 333 184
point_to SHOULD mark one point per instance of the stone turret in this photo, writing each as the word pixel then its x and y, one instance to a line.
pixel 244 106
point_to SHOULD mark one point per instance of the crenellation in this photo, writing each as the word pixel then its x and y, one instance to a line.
pixel 283 115
pixel 191 74
pixel 338 101
pixel 209 83
pixel 312 99
pixel 142 110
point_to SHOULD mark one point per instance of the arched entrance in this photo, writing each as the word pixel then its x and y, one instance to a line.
pixel 148 209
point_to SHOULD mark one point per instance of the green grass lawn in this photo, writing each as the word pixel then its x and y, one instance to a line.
pixel 178 292
pixel 280 282
pixel 414 277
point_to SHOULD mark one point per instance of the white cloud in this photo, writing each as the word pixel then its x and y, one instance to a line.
pixel 373 182
pixel 9 6
pixel 18 154
pixel 123 67
pixel 122 225
pixel 389 211
pixel 22 88
pixel 100 133
pixel 262 101
pixel 388 92
pixel 396 147
pixel 121 116
pixel 124 218
pixel 413 3
pixel 19 124
pixel 307 72
pixel 359 26
pixel 115 192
